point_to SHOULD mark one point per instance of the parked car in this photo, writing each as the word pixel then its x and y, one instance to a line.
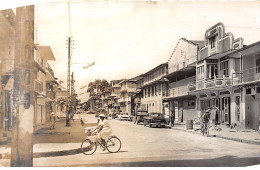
pixel 140 116
pixel 155 119
pixel 114 115
pixel 125 117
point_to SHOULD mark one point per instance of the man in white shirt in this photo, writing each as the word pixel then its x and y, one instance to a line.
pixel 103 129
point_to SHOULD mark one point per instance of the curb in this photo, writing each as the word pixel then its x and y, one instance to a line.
pixel 47 154
pixel 223 137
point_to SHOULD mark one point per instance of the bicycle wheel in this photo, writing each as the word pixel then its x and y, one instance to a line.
pixel 88 147
pixel 113 144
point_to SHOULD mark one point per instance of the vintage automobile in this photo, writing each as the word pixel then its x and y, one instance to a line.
pixel 125 117
pixel 140 116
pixel 155 119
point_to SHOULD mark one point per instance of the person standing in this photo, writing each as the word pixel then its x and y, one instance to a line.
pixel 172 118
pixel 52 119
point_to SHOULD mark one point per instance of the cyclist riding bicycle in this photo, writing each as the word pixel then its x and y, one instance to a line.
pixel 205 116
pixel 103 129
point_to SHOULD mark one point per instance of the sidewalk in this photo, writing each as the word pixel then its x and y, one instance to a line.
pixel 224 132
pixel 60 141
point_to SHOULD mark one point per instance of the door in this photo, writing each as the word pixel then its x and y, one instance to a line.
pixel 237 100
pixel 251 112
pixel 226 110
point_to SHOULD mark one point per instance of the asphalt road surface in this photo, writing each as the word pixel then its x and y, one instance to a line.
pixel 144 146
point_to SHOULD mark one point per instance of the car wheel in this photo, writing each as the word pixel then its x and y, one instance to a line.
pixel 150 125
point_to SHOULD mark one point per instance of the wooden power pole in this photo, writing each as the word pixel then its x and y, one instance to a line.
pixel 23 94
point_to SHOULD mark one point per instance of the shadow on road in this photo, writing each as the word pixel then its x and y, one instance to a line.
pixel 63 153
pixel 58 153
pixel 110 153
pixel 226 161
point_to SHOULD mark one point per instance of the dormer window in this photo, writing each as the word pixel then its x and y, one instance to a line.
pixel 212 42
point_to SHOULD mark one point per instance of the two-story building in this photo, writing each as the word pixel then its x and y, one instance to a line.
pixel 137 95
pixel 153 87
pixel 126 100
pixel 247 84
pixel 182 71
pixel 44 85
pixel 61 96
pixel 215 76
pixel 115 95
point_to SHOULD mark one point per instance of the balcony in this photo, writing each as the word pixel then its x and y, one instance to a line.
pixel 49 69
pixel 250 75
pixel 216 82
pixel 38 86
pixel 50 94
pixel 127 90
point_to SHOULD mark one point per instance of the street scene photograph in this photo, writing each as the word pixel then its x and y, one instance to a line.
pixel 129 83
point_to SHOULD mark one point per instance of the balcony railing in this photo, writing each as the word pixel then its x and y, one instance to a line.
pixel 48 67
pixel 248 75
pixel 176 91
pixel 50 94
pixel 127 89
pixel 216 82
pixel 165 93
pixel 38 86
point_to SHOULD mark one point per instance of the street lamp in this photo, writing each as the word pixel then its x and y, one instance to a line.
pixel 89 65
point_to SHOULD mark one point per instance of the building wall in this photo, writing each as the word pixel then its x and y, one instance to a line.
pixel 185 53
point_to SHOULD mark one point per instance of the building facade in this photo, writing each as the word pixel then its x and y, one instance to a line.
pixel 247 84
pixel 182 71
pixel 44 85
pixel 126 100
pixel 153 88
pixel 7 53
pixel 215 76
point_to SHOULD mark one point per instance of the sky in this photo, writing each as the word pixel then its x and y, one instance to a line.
pixel 126 39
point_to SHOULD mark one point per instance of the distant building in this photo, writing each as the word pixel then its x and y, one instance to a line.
pixel 126 100
pixel 61 96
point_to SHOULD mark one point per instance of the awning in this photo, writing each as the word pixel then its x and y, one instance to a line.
pixel 10 84
pixel 46 52
pixel 220 55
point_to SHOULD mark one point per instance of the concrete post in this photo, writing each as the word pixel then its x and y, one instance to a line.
pixel 23 96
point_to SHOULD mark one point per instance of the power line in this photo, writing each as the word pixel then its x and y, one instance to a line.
pixel 242 27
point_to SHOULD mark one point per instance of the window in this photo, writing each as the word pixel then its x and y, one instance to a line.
pixel 224 68
pixel 200 72
pixel 212 42
pixel 257 65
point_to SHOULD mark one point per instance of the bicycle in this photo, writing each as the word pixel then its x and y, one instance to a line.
pixel 113 144
pixel 205 128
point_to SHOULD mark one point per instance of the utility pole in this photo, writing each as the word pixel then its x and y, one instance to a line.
pixel 68 84
pixel 68 74
pixel 23 94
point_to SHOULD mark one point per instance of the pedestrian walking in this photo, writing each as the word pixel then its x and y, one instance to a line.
pixel 52 120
